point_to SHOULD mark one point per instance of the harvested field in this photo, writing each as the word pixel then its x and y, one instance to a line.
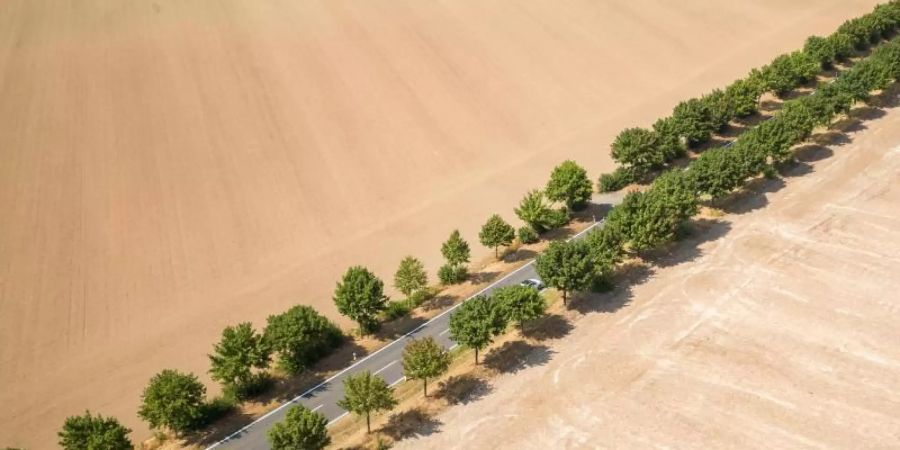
pixel 775 326
pixel 171 167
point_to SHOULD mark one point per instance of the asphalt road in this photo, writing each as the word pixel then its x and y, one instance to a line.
pixel 386 362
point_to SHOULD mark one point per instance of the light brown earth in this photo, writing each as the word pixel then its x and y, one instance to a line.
pixel 781 331
pixel 172 167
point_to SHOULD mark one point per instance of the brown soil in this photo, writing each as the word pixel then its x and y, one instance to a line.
pixel 172 167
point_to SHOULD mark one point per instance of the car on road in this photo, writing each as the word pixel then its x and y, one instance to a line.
pixel 534 283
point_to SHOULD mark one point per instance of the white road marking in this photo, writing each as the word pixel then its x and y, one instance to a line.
pixel 317 408
pixel 454 346
pixel 385 367
pixel 398 381
pixel 337 418
pixel 444 332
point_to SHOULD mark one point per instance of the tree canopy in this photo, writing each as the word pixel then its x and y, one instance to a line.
pixel 89 432
pixel 410 276
pixel 520 304
pixel 638 149
pixel 360 296
pixel 476 322
pixel 173 400
pixel 456 250
pixel 423 359
pixel 233 359
pixel 569 184
pixel 495 233
pixel 301 336
pixel 365 394
pixel 301 429
pixel 567 266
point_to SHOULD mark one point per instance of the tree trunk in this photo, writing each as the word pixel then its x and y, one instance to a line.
pixel 425 385
pixel 476 356
pixel 496 252
pixel 368 424
pixel 564 297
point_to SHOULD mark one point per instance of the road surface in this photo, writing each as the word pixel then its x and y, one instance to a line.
pixel 385 362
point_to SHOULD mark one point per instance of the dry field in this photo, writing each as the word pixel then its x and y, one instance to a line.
pixel 171 167
pixel 778 329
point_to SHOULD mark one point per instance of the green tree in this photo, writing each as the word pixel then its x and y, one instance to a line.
pixel 789 71
pixel 88 432
pixel 716 173
pixel 668 139
pixel 496 232
pixel 301 336
pixel 744 95
pixel 456 250
pixel 721 108
pixel 423 359
pixel 534 211
pixel 173 400
pixel 301 429
pixel 694 121
pixel 239 351
pixel 566 266
pixel 520 304
pixel 360 296
pixel 476 322
pixel 410 276
pixel 527 235
pixel 569 184
pixel 638 149
pixel 606 249
pixel 365 394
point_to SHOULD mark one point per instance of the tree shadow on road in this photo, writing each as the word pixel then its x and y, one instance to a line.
pixel 463 389
pixel 513 356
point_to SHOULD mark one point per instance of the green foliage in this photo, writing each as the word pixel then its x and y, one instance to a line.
pixel 365 393
pixel 744 96
pixel 721 108
pixel 476 322
pixel 423 359
pixel 301 429
pixel 456 250
pixel 535 212
pixel 616 180
pixel 301 336
pixel 396 310
pixel 605 244
pixel 566 266
pixel 527 235
pixel 239 351
pixel 569 184
pixel 173 400
pixel 694 121
pixel 218 407
pixel 410 276
pixel 520 304
pixel 648 220
pixel 669 140
pixel 717 172
pixel 88 432
pixel 790 71
pixel 448 274
pixel 496 232
pixel 798 119
pixel 360 296
pixel 638 149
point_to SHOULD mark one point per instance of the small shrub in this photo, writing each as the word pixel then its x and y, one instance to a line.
pixel 396 309
pixel 419 297
pixel 449 274
pixel 215 409
pixel 615 180
pixel 557 218
pixel 527 235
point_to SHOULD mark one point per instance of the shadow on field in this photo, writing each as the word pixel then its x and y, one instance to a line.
pixel 463 389
pixel 552 326
pixel 412 423
pixel 513 356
